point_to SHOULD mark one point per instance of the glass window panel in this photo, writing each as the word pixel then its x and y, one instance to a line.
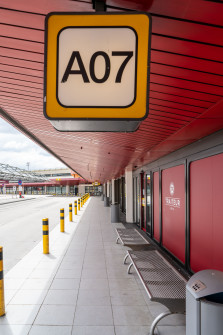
pixel 148 203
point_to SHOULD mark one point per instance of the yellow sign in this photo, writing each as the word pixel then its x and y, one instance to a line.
pixel 96 183
pixel 97 66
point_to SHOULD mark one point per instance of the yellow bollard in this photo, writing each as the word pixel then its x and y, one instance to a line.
pixel 79 205
pixel 82 201
pixel 62 220
pixel 70 213
pixel 2 298
pixel 75 207
pixel 45 236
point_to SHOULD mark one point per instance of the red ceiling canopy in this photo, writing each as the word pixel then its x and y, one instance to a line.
pixel 186 86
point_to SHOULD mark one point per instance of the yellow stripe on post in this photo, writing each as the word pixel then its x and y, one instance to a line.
pixel 2 295
pixel 79 205
pixel 62 220
pixel 45 236
pixel 70 213
pixel 75 207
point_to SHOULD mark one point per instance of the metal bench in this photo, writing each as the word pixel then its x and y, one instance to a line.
pixel 162 282
pixel 132 238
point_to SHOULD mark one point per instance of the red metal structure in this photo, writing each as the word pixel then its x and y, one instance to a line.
pixel 186 84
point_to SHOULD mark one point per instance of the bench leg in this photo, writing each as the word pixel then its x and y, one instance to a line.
pixel 129 268
pixel 157 319
pixel 117 239
pixel 126 256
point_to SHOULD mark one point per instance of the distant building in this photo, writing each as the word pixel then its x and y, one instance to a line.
pixel 54 172
pixel 57 181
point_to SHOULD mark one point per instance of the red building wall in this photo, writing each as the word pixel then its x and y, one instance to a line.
pixel 206 213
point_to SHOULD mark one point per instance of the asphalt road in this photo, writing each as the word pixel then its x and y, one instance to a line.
pixel 21 225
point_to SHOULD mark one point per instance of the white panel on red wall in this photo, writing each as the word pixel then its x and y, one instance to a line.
pixel 173 211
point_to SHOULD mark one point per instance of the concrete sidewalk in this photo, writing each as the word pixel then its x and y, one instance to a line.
pixel 81 287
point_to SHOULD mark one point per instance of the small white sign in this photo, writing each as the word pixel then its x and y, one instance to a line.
pixel 20 188
pixel 171 189
pixel 96 66
pixel 14 189
pixel 198 286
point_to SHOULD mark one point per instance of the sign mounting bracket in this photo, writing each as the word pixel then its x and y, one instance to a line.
pixel 99 5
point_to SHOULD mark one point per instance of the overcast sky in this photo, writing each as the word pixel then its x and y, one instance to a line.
pixel 17 149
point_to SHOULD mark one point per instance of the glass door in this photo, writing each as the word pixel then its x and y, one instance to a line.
pixel 124 196
pixel 142 202
pixel 148 204
pixel 120 194
pixel 138 200
pixel 134 199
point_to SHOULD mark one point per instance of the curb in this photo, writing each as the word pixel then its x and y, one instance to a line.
pixel 10 202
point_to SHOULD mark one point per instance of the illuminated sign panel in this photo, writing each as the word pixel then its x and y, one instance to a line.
pixel 97 71
pixel 97 66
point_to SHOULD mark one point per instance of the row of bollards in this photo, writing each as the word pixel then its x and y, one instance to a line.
pixel 45 226
pixel 77 206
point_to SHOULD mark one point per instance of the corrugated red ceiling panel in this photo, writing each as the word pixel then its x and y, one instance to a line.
pixel 186 85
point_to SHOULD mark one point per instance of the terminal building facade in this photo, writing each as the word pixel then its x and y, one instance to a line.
pixel 51 182
pixel 176 200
